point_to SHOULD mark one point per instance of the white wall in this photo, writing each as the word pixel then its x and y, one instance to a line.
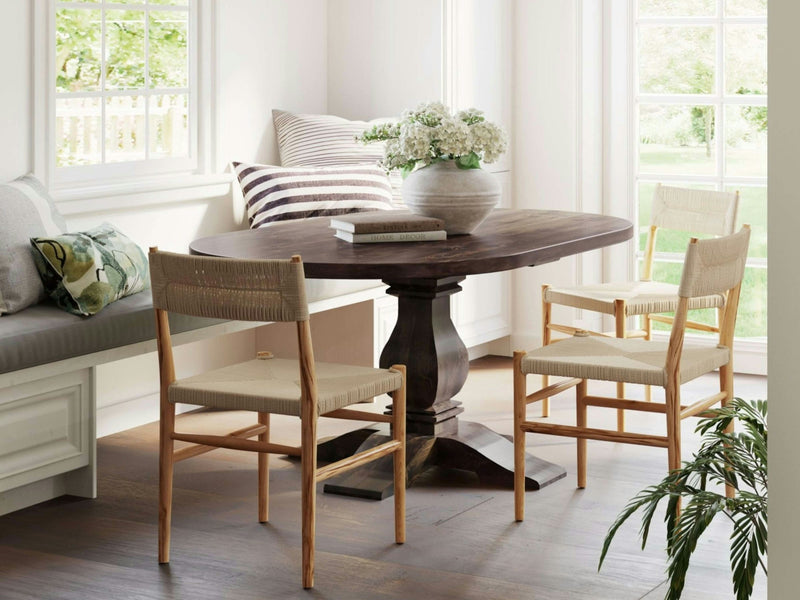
pixel 383 56
pixel 15 93
pixel 784 288
pixel 270 54
pixel 545 140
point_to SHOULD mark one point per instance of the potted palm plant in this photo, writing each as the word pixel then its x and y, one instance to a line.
pixel 736 459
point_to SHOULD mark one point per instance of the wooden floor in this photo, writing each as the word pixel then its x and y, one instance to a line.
pixel 462 541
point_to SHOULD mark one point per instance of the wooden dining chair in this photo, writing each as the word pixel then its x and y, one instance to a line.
pixel 712 267
pixel 264 290
pixel 696 212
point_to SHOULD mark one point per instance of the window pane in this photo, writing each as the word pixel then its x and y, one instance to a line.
pixel 127 1
pixel 77 131
pixel 125 128
pixel 735 8
pixel 746 141
pixel 78 50
pixel 169 65
pixel 752 321
pixel 169 126
pixel 676 139
pixel 646 190
pixel 745 59
pixel 753 211
pixel 170 2
pixel 676 59
pixel 124 49
pixel 677 8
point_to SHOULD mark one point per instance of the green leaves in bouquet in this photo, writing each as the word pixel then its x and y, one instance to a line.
pixel 468 161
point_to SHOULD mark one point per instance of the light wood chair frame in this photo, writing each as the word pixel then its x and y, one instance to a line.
pixel 672 408
pixel 621 316
pixel 307 451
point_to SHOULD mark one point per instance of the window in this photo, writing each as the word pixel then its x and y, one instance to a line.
pixel 700 99
pixel 123 89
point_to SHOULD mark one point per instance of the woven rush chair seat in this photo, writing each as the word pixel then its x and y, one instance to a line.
pixel 641 297
pixel 712 267
pixel 273 385
pixel 615 359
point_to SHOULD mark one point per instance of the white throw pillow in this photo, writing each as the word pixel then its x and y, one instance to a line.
pixel 26 211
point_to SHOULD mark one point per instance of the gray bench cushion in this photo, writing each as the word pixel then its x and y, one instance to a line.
pixel 43 333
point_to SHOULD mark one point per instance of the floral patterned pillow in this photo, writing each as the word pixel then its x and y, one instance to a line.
pixel 85 271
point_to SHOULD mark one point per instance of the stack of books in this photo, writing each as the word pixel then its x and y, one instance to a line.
pixel 387 226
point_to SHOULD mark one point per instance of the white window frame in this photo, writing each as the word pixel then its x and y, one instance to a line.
pixel 82 182
pixel 621 133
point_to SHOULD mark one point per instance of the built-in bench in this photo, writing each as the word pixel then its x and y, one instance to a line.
pixel 48 388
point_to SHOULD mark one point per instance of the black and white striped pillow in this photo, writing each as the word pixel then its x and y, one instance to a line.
pixel 327 140
pixel 273 194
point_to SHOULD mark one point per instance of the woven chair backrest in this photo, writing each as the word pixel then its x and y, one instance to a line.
pixel 697 211
pixel 227 288
pixel 714 265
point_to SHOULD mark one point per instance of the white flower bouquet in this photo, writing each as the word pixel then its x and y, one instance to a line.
pixel 431 134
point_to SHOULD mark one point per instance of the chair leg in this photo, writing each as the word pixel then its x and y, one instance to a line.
pixel 673 407
pixel 399 434
pixel 580 407
pixel 308 461
pixel 547 312
pixel 165 470
pixel 263 472
pixel 520 394
pixel 619 318
pixel 648 333
pixel 726 385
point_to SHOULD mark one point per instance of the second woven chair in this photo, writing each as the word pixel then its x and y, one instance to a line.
pixel 695 212
pixel 264 290
pixel 712 267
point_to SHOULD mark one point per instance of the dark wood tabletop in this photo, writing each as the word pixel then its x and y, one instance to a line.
pixel 508 239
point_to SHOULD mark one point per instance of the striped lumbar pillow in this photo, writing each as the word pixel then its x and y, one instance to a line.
pixel 326 140
pixel 323 140
pixel 273 194
pixel 26 210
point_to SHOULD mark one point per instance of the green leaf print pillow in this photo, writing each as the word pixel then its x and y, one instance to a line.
pixel 85 271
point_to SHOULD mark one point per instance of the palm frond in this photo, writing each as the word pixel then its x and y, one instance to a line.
pixel 738 459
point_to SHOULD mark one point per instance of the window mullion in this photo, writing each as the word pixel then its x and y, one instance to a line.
pixel 102 84
pixel 147 81
pixel 719 141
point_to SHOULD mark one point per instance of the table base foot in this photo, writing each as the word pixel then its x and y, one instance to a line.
pixel 473 447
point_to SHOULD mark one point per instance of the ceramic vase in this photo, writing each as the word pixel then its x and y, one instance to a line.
pixel 462 198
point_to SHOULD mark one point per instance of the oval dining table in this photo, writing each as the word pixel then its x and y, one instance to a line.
pixel 423 276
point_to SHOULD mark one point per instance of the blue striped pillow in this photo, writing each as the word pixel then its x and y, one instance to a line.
pixel 274 194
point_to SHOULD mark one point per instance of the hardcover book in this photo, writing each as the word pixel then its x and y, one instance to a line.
pixel 392 236
pixel 385 221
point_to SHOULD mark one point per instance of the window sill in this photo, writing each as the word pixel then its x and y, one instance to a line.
pixel 141 192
